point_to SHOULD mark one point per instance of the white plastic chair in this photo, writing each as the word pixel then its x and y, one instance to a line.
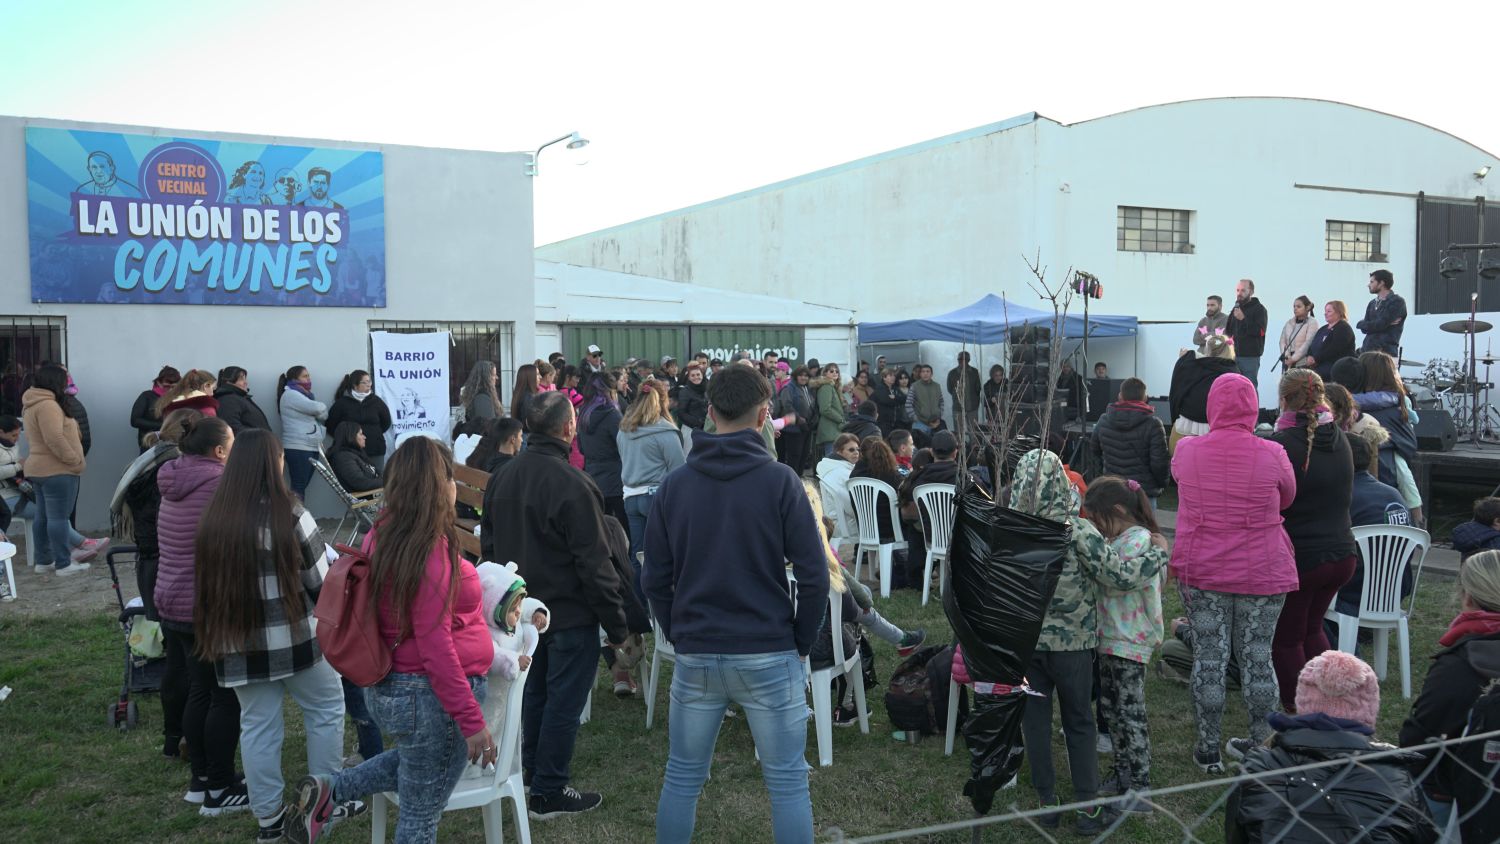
pixel 485 793
pixel 8 553
pixel 661 650
pixel 822 680
pixel 937 500
pixel 1387 551
pixel 866 493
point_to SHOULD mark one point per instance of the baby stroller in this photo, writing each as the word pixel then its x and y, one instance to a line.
pixel 142 674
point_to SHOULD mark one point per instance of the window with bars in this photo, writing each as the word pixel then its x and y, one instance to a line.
pixel 26 342
pixel 1152 230
pixel 1350 241
pixel 471 343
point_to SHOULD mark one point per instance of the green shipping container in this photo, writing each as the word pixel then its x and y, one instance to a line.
pixel 620 342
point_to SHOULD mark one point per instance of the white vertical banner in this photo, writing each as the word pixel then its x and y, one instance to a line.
pixel 411 375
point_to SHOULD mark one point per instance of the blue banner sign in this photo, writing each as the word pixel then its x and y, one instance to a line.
pixel 141 219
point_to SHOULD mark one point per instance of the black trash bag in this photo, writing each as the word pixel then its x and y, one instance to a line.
pixel 1003 567
pixel 993 733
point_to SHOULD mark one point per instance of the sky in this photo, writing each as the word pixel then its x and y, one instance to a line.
pixel 684 102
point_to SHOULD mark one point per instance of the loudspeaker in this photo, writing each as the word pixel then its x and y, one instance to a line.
pixel 1435 431
pixel 1029 419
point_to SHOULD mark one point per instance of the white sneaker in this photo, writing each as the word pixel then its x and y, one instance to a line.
pixel 38 568
pixel 88 550
pixel 72 569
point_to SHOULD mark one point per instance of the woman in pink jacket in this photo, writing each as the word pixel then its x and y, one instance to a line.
pixel 1232 557
pixel 430 612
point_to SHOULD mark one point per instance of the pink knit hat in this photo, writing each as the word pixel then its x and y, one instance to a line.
pixel 1340 685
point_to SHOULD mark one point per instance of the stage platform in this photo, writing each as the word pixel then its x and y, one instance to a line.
pixel 1467 462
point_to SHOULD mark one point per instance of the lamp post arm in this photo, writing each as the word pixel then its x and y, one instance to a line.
pixel 531 168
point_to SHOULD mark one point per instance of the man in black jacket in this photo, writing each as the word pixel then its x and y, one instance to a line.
pixel 1129 441
pixel 963 387
pixel 1247 325
pixel 548 517
pixel 719 590
pixel 862 424
pixel 1385 316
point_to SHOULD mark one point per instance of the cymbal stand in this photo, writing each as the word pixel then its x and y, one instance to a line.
pixel 1472 394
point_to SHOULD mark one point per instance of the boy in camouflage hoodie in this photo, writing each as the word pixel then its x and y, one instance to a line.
pixel 1063 664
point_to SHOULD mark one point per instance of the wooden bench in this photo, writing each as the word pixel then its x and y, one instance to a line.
pixel 471 483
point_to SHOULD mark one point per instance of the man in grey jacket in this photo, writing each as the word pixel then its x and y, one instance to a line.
pixel 1214 319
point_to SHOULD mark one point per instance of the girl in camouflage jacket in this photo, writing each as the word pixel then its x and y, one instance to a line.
pixel 1062 665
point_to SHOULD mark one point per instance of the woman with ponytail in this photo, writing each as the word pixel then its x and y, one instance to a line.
pixel 302 418
pixel 355 401
pixel 194 391
pixel 1317 522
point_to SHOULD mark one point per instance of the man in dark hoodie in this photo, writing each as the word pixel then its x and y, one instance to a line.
pixel 719 590
pixel 549 518
pixel 862 424
pixel 1129 441
pixel 1247 325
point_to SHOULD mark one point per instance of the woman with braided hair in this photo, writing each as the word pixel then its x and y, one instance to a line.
pixel 1317 522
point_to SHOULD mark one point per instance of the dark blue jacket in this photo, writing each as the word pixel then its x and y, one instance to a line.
pixel 716 577
pixel 1472 537
pixel 1382 325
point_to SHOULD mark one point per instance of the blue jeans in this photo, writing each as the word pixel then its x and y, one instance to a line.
pixel 299 467
pixel 770 690
pixel 637 508
pixel 21 508
pixel 1250 368
pixel 55 497
pixel 562 674
pixel 429 756
pixel 368 732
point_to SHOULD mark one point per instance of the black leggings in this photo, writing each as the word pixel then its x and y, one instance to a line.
pixel 211 714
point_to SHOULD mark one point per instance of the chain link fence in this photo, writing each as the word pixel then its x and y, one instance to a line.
pixel 1324 801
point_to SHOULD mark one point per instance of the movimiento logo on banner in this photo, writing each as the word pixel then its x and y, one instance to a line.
pixel 136 219
pixel 411 375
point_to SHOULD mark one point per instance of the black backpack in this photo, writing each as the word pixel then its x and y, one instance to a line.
pixel 1471 792
pixel 917 698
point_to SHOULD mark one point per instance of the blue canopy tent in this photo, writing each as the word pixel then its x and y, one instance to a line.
pixel 988 321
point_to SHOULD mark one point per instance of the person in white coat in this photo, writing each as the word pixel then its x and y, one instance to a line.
pixel 833 485
pixel 302 418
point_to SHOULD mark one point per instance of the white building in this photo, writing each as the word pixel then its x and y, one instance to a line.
pixel 1303 196
pixel 456 256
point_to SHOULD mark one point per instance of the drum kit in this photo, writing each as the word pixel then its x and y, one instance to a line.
pixel 1452 385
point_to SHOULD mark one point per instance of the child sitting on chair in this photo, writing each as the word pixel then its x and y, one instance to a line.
pixel 505 604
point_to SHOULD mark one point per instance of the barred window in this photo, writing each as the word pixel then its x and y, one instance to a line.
pixel 1348 241
pixel 1152 229
pixel 472 342
pixel 26 342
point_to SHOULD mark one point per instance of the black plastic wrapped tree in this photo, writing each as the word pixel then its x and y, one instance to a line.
pixel 1003 567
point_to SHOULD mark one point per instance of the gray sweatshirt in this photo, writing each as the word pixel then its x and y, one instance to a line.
pixel 301 421
pixel 648 453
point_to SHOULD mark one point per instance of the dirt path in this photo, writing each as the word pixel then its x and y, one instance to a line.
pixel 46 594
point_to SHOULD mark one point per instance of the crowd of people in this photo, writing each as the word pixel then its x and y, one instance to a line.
pixel 588 468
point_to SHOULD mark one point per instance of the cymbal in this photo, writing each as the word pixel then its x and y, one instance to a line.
pixel 1405 362
pixel 1461 326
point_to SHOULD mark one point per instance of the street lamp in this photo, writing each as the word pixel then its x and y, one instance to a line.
pixel 575 141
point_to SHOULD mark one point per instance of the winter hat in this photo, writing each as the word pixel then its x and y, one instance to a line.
pixel 1349 373
pixel 783 366
pixel 503 589
pixel 1339 685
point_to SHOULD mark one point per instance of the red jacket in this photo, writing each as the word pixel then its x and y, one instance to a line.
pixel 1231 489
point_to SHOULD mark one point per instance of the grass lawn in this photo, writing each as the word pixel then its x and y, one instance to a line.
pixel 66 776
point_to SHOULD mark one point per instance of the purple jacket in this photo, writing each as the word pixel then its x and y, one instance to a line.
pixel 1231 489
pixel 187 484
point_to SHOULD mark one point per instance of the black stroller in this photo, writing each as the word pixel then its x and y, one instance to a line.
pixel 141 674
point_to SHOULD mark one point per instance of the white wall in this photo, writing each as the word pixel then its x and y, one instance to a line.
pixel 933 227
pixel 458 247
